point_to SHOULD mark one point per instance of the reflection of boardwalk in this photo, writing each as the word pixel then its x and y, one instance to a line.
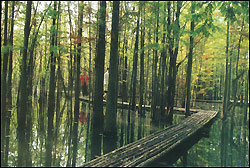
pixel 126 105
pixel 161 143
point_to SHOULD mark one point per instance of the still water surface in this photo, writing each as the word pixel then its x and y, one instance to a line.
pixel 204 153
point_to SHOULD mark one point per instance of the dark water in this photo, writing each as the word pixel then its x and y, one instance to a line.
pixel 204 153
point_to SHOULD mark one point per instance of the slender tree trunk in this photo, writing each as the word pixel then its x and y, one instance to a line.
pixel 132 102
pixel 41 102
pixel 155 115
pixel 234 95
pixel 134 71
pixel 225 97
pixel 90 50
pixel 70 91
pixel 141 112
pixel 189 68
pixel 30 72
pixel 77 87
pixel 22 143
pixel 225 105
pixel 51 100
pixel 147 94
pixel 246 125
pixel 3 84
pixel 124 75
pixel 97 116
pixel 59 85
pixel 163 56
pixel 173 51
pixel 9 94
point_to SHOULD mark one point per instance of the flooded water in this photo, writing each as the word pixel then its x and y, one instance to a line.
pixel 207 152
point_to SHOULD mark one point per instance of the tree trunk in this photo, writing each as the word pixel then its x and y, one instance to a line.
pixel 30 72
pixel 97 116
pixel 9 94
pixel 245 129
pixel 77 87
pixel 59 86
pixel 51 100
pixel 225 97
pixel 125 70
pixel 70 92
pixel 110 118
pixel 90 50
pixel 225 105
pixel 155 115
pixel 147 94
pixel 3 84
pixel 173 43
pixel 190 59
pixel 134 71
pixel 141 112
pixel 22 143
pixel 41 102
pixel 163 66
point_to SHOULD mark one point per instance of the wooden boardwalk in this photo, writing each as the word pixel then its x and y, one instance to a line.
pixel 147 107
pixel 157 145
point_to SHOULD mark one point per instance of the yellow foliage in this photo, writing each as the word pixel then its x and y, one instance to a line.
pixel 202 91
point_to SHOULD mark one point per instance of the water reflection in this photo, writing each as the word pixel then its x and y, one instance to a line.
pixel 206 152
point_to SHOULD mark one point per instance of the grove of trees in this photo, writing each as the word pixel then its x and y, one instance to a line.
pixel 159 53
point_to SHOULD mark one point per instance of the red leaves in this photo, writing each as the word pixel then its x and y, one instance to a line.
pixel 90 38
pixel 85 119
pixel 77 39
pixel 81 118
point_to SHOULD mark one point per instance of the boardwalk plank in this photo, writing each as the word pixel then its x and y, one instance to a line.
pixel 147 149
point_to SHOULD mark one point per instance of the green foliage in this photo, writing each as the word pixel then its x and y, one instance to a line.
pixel 209 42
pixel 4 50
pixel 154 46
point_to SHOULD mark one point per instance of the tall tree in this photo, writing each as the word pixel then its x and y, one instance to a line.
pixel 52 86
pixel 21 113
pixel 59 83
pixel 30 72
pixel 3 83
pixel 77 87
pixel 163 66
pixel 190 59
pixel 141 112
pixel 90 50
pixel 173 52
pixel 9 94
pixel 134 71
pixel 234 91
pixel 110 118
pixel 97 116
pixel 70 89
pixel 154 114
pixel 125 69
pixel 225 103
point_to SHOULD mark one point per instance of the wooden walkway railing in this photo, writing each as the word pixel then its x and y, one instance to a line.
pixel 156 145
